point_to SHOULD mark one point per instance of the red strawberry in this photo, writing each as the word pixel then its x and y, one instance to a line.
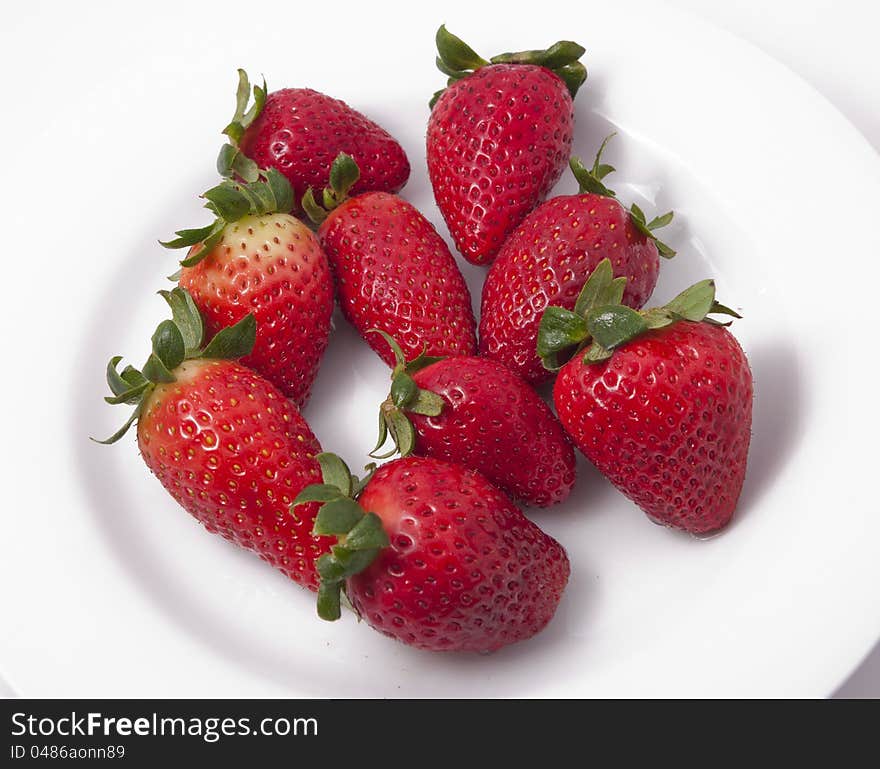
pixel 224 442
pixel 256 258
pixel 498 138
pixel 548 257
pixel 443 561
pixel 479 414
pixel 299 132
pixel 393 271
pixel 661 402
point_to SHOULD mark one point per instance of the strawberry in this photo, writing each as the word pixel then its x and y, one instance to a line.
pixel 256 258
pixel 299 132
pixel 443 561
pixel 222 440
pixel 548 257
pixel 477 413
pixel 498 137
pixel 393 271
pixel 660 402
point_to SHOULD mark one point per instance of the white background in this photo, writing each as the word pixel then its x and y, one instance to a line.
pixel 830 45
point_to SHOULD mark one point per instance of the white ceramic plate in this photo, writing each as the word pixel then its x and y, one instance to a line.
pixel 109 589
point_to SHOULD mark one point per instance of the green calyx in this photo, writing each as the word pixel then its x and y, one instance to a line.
pixel 647 228
pixel 600 324
pixel 232 161
pixel 246 189
pixel 344 172
pixel 174 341
pixel 405 397
pixel 231 201
pixel 456 59
pixel 360 535
pixel 591 180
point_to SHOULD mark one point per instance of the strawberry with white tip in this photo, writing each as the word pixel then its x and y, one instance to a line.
pixel 257 258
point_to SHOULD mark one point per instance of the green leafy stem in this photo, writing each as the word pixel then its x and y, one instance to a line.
pixel 232 161
pixel 456 59
pixel 600 324
pixel 360 535
pixel 173 342
pixel 405 397
pixel 591 180
pixel 344 172
pixel 230 201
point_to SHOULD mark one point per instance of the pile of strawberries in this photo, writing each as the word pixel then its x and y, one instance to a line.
pixel 429 548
